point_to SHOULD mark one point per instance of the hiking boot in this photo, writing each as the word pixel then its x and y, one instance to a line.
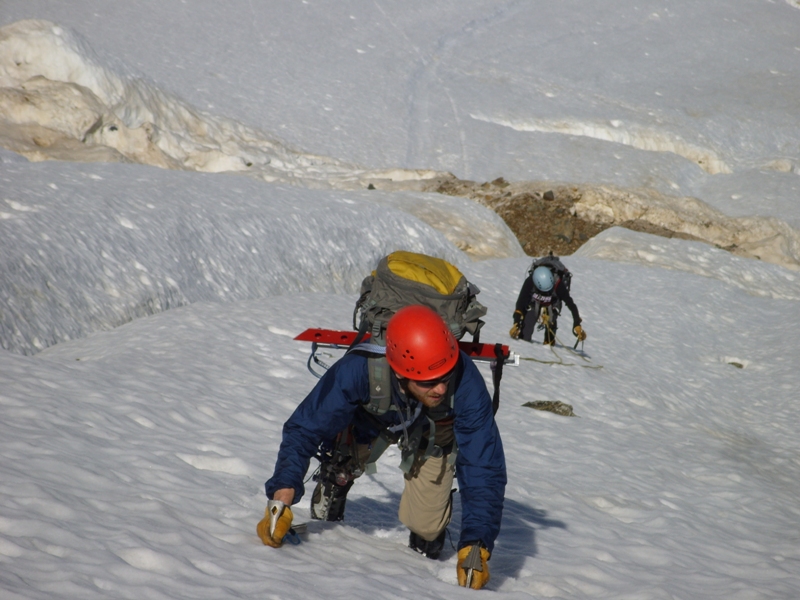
pixel 328 500
pixel 430 549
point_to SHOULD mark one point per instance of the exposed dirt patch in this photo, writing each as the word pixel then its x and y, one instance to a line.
pixel 553 406
pixel 541 214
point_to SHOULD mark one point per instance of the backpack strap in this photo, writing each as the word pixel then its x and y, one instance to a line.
pixel 497 375
pixel 362 331
pixel 380 385
pixel 380 377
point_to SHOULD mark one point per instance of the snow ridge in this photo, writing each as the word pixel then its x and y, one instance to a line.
pixel 614 130
pixel 61 102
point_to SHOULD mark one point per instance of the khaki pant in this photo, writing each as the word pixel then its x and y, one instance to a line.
pixel 425 506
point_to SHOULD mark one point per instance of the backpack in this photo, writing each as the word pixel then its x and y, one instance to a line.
pixel 401 279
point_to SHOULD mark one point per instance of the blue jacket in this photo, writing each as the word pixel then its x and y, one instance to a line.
pixel 337 401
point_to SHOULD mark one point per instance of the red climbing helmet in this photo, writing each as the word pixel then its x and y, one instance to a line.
pixel 419 344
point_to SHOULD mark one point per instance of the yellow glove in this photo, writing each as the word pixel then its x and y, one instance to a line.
pixel 514 333
pixel 276 524
pixel 545 317
pixel 478 564
pixel 578 332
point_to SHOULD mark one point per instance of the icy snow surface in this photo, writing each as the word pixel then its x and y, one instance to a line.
pixel 135 440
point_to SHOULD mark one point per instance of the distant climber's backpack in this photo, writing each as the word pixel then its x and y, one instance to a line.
pixel 401 279
pixel 561 273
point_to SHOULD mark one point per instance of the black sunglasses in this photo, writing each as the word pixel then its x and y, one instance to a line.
pixel 431 383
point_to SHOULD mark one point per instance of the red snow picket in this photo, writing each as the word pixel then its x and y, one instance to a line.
pixel 334 338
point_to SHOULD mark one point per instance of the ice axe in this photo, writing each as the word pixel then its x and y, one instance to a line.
pixel 473 563
pixel 275 508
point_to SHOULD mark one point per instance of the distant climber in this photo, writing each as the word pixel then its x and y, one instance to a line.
pixel 543 293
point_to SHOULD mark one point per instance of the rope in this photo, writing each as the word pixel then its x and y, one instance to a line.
pixel 560 360
pixel 544 318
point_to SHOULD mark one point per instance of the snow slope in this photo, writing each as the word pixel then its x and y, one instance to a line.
pixel 147 314
pixel 134 459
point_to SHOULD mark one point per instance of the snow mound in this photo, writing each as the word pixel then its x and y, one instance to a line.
pixel 139 242
pixel 764 238
pixel 753 276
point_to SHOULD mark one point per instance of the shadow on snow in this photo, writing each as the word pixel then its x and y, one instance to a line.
pixel 515 544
